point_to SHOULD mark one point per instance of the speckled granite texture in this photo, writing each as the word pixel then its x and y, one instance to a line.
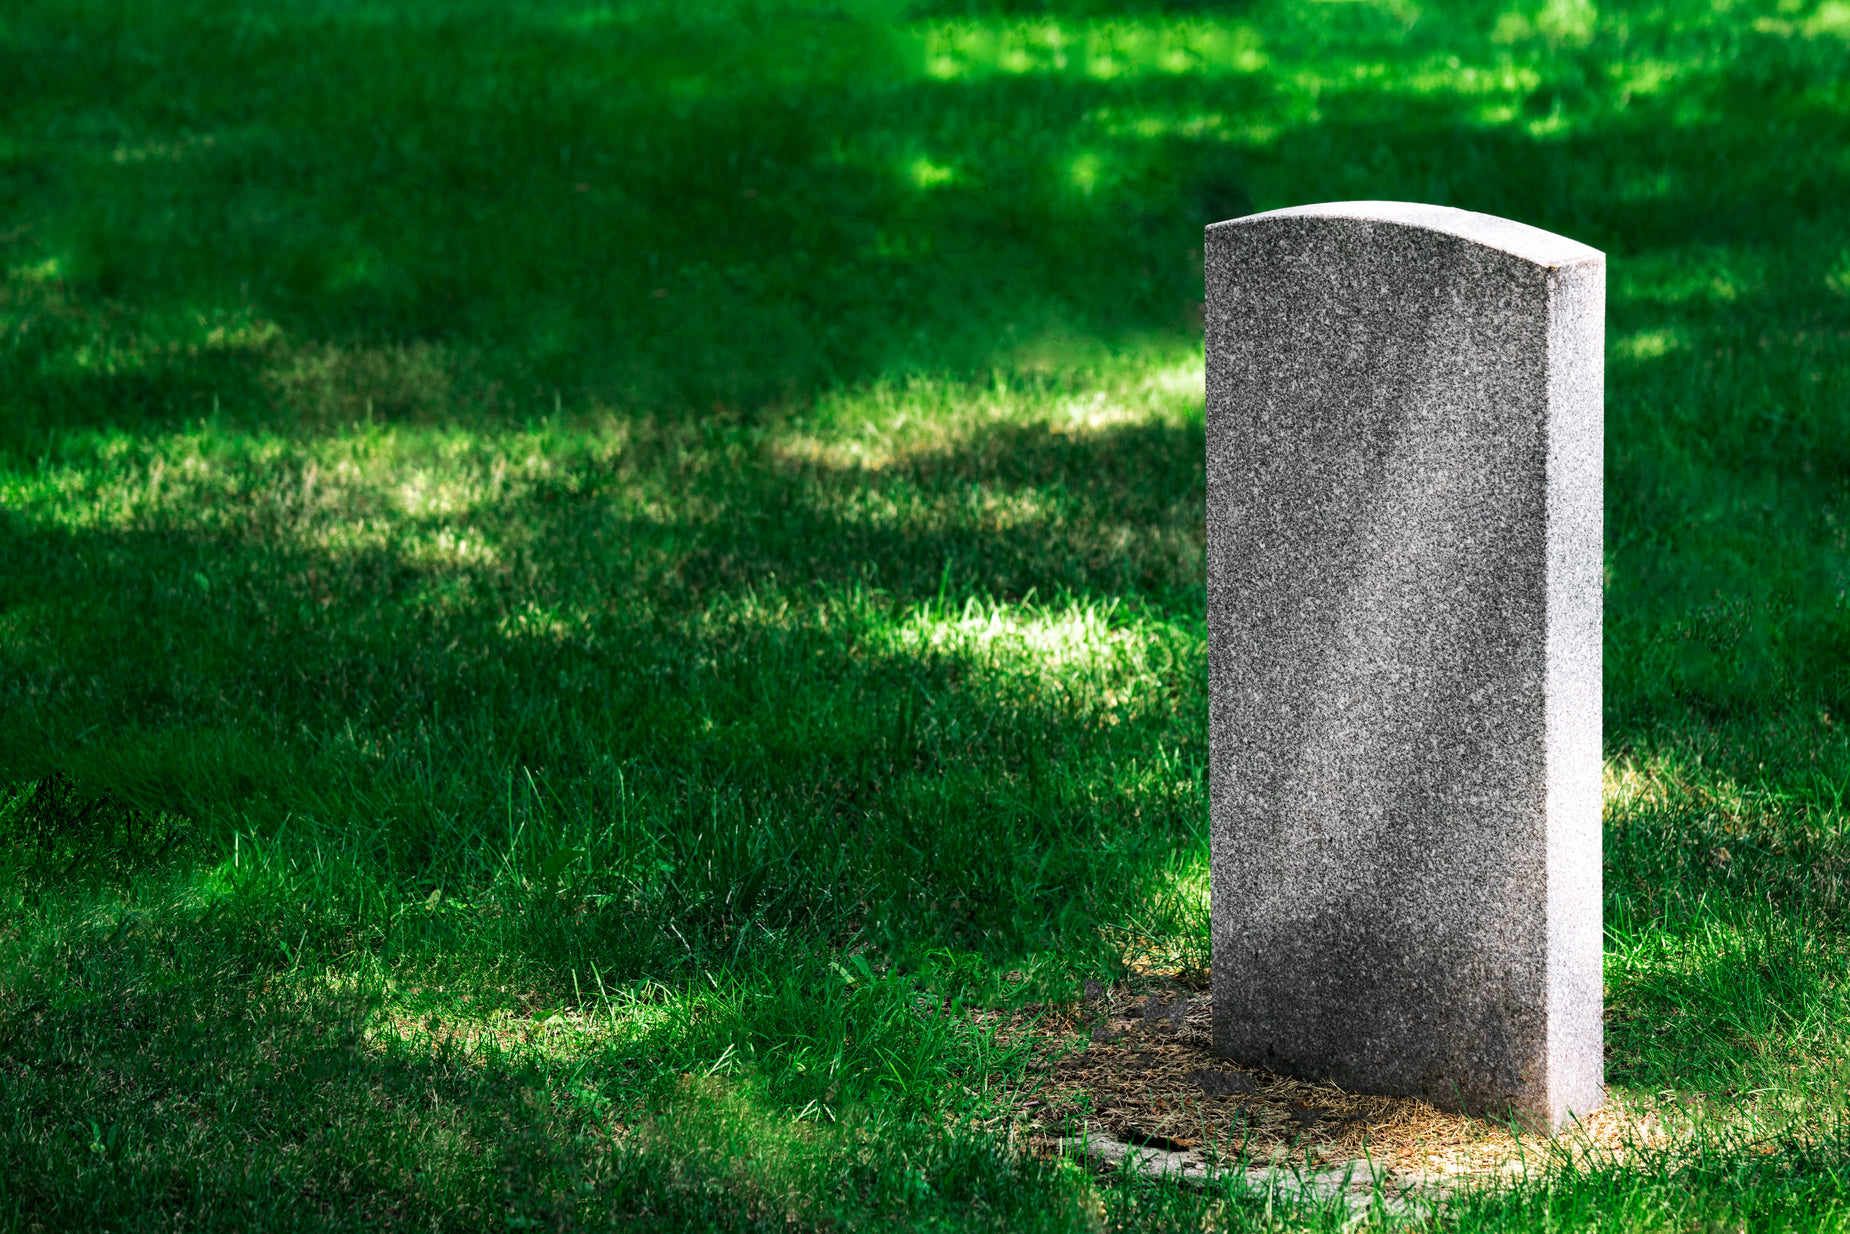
pixel 1405 423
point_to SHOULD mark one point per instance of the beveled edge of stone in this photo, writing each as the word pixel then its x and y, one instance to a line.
pixel 1532 244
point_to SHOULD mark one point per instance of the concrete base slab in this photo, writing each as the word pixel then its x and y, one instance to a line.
pixel 1363 1186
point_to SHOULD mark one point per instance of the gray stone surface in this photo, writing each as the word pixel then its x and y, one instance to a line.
pixel 1405 441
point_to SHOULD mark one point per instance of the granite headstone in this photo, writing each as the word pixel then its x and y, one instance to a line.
pixel 1404 464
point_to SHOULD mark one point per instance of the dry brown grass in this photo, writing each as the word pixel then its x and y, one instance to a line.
pixel 1139 1082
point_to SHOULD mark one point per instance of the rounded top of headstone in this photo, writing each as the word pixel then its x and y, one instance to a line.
pixel 1544 248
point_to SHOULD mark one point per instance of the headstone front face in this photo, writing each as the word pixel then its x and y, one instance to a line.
pixel 1405 449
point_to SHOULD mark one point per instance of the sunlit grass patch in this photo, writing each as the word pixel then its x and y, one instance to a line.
pixel 331 486
pixel 1190 125
pixel 1079 639
pixel 77 336
pixel 1104 50
pixel 1647 344
pixel 898 421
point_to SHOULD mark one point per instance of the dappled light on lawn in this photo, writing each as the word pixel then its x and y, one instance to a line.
pixel 1101 49
pixel 601 606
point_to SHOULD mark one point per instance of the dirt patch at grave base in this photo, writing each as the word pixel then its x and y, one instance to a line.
pixel 1141 1072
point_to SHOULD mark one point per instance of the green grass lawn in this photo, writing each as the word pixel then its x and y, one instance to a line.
pixel 568 569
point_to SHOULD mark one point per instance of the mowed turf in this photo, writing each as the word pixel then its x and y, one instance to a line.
pixel 579 583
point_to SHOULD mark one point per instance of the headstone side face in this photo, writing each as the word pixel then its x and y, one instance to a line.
pixel 1576 530
pixel 1404 513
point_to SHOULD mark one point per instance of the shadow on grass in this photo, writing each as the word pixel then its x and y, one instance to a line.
pixel 740 691
pixel 151 1070
pixel 442 218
